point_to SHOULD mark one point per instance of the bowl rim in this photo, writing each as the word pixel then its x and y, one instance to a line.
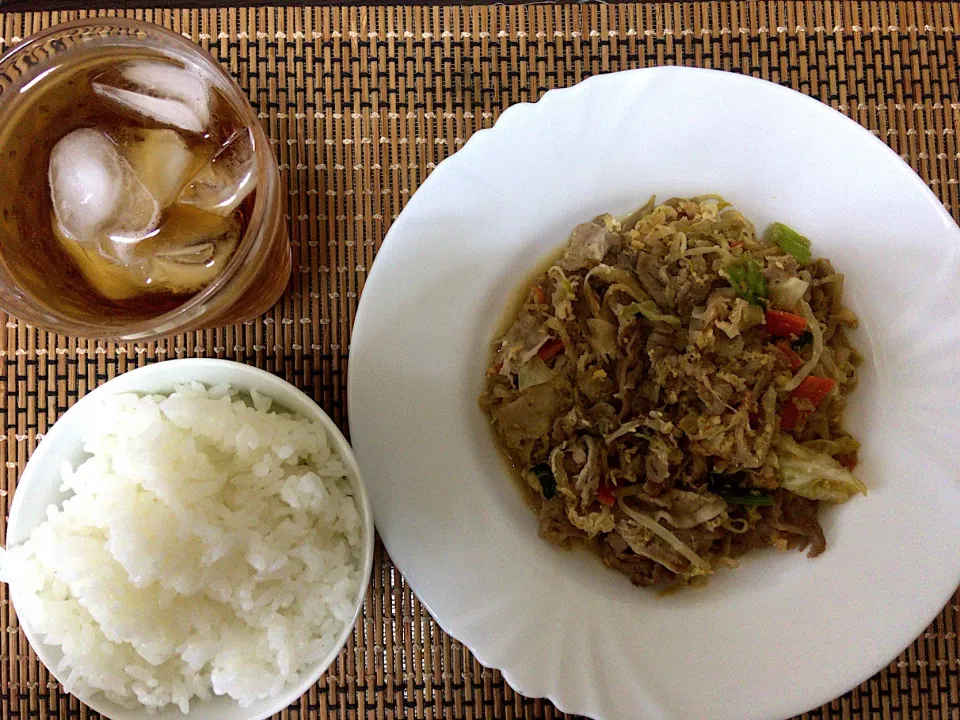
pixel 282 393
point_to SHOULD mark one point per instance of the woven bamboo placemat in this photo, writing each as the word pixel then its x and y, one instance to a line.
pixel 361 104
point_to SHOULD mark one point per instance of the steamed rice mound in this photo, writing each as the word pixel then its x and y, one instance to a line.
pixel 211 547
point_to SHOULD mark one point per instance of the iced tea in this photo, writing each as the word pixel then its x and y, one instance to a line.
pixel 131 178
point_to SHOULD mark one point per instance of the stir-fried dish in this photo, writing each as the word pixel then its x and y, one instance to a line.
pixel 672 390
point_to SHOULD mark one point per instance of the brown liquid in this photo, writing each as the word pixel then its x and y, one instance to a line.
pixel 64 101
pixel 518 295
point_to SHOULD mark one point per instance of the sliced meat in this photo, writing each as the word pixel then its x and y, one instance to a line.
pixel 797 516
pixel 589 244
pixel 531 415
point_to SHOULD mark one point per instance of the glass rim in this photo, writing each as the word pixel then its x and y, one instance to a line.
pixel 184 316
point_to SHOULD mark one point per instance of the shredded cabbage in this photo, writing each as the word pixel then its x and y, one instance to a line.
pixel 736 525
pixel 534 372
pixel 560 329
pixel 603 337
pixel 592 523
pixel 742 317
pixel 815 475
pixel 785 295
pixel 817 333
pixel 564 295
pixel 625 429
pixel 631 220
pixel 649 310
pixel 668 537
pixel 835 446
pixel 704 514
pixel 623 279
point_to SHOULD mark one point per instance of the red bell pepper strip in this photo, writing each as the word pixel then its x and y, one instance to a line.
pixel 812 389
pixel 606 495
pixel 550 348
pixel 791 415
pixel 793 359
pixel 784 324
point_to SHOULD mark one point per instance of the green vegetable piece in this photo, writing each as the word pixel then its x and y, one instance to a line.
pixel 729 488
pixel 804 339
pixel 721 483
pixel 746 277
pixel 753 500
pixel 789 240
pixel 548 483
pixel 815 475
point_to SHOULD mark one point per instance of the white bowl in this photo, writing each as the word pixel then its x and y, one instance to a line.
pixel 782 633
pixel 39 485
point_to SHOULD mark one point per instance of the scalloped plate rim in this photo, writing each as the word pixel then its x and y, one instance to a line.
pixel 529 112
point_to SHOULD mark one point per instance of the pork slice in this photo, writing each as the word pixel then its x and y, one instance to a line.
pixel 589 244
pixel 531 415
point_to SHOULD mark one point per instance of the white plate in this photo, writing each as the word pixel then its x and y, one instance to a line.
pixel 782 633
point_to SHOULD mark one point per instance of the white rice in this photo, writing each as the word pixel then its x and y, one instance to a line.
pixel 210 548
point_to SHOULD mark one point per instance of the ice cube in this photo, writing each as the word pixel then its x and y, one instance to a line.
pixel 95 193
pixel 187 254
pixel 162 162
pixel 190 250
pixel 108 278
pixel 160 91
pixel 227 179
